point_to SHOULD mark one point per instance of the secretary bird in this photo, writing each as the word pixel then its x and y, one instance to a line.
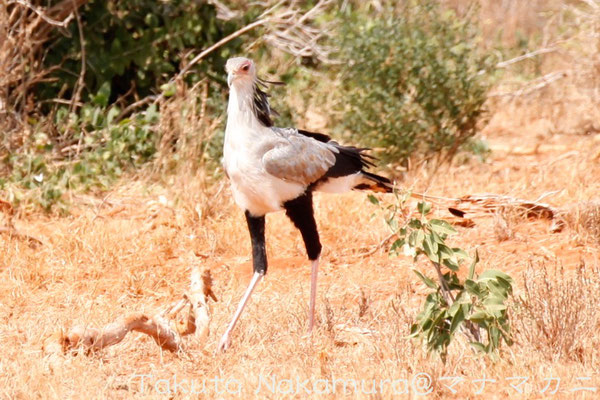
pixel 272 169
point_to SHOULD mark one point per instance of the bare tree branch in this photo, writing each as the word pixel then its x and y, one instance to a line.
pixel 42 15
pixel 504 64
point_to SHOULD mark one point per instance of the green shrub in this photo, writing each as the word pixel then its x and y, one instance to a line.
pixel 132 49
pixel 136 46
pixel 477 304
pixel 413 80
pixel 101 150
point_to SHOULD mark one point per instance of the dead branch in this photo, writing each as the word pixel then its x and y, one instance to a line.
pixel 133 106
pixel 24 31
pixel 212 48
pixel 287 30
pixel 224 12
pixel 42 15
pixel 477 204
pixel 534 85
pixel 504 64
pixel 465 208
pixel 295 35
pixel 163 327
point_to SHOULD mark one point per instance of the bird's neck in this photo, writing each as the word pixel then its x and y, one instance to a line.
pixel 243 129
pixel 239 108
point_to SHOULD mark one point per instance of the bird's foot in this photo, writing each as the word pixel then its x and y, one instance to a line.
pixel 224 343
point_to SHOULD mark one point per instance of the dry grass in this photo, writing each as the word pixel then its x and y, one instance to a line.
pixel 562 307
pixel 556 92
pixel 131 250
pixel 585 219
pixel 134 249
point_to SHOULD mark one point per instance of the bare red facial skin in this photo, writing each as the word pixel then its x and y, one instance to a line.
pixel 245 68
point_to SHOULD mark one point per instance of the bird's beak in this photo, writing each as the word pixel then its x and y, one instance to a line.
pixel 230 77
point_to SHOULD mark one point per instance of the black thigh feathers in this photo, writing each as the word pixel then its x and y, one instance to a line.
pixel 300 211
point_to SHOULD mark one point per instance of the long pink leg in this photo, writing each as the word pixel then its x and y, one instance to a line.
pixel 313 293
pixel 225 339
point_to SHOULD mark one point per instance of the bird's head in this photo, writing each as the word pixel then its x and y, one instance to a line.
pixel 240 71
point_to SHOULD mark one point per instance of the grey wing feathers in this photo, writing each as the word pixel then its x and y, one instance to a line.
pixel 298 158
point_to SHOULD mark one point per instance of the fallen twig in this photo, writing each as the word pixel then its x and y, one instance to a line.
pixel 163 327
pixel 490 203
pixel 378 247
pixel 484 204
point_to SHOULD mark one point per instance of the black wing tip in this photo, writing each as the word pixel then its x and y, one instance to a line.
pixel 378 178
pixel 321 137
pixel 377 183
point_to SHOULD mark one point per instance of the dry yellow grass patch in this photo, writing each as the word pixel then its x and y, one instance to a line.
pixel 132 251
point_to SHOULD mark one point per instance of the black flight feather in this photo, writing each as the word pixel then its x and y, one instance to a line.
pixel 321 137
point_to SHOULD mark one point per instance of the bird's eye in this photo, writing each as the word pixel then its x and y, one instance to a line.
pixel 246 67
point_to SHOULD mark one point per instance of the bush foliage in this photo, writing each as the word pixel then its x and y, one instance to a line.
pixel 78 128
pixel 103 148
pixel 136 46
pixel 84 94
pixel 413 79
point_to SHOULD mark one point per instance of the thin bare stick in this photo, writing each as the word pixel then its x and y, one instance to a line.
pixel 220 43
pixel 378 247
pixel 135 105
pixel 81 78
pixel 504 64
pixel 444 285
pixel 212 48
pixel 535 85
pixel 469 329
pixel 62 24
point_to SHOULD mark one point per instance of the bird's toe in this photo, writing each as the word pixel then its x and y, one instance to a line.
pixel 224 343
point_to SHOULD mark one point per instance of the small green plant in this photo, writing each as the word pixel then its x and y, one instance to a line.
pixel 473 304
pixel 100 150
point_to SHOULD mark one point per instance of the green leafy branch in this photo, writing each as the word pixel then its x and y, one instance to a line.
pixel 473 305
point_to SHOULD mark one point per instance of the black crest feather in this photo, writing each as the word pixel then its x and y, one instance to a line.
pixel 262 108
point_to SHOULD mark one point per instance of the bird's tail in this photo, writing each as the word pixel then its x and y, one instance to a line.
pixel 381 184
pixel 375 183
